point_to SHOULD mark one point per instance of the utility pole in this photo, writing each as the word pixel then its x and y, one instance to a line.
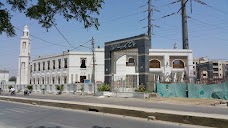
pixel 93 73
pixel 184 25
pixel 149 21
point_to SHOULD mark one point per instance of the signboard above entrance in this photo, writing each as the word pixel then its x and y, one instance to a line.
pixel 126 45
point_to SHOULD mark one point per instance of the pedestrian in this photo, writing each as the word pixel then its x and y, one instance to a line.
pixel 26 92
pixel 0 91
pixel 12 91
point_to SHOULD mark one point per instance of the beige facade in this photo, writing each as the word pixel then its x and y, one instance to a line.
pixel 213 70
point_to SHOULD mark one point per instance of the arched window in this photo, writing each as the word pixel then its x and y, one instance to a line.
pixel 131 62
pixel 155 64
pixel 24 45
pixel 83 63
pixel 178 64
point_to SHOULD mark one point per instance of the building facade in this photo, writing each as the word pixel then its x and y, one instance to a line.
pixel 70 68
pixel 67 68
pixel 4 76
pixel 209 72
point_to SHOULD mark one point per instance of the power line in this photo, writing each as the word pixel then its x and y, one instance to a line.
pixel 205 23
pixel 205 4
pixel 80 44
pixel 41 39
pixel 63 36
pixel 133 14
pixel 174 2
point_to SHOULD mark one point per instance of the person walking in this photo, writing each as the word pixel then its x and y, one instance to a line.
pixel 12 91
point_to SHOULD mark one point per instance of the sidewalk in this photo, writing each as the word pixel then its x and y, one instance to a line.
pixel 173 100
pixel 204 119
pixel 176 104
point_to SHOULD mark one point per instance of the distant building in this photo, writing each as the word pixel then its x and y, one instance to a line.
pixel 225 71
pixel 4 76
pixel 214 71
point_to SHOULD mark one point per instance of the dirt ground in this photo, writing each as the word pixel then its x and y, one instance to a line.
pixel 188 101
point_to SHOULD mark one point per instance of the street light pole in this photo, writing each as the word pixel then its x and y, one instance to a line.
pixel 93 73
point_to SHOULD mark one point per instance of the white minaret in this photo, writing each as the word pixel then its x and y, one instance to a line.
pixel 23 77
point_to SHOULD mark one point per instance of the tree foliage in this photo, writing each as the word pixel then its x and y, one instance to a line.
pixel 45 12
pixel 13 78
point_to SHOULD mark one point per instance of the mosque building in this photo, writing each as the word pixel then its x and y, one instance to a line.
pixel 130 60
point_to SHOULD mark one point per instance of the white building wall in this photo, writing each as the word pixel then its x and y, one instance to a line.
pixel 122 69
pixel 4 76
pixel 99 65
pixel 167 69
pixel 73 70
pixel 75 63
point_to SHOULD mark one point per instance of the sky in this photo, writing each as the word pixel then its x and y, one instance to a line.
pixel 207 28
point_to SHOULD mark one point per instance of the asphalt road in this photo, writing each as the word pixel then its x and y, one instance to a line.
pixel 130 102
pixel 17 115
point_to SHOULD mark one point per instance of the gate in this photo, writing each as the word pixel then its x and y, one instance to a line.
pixel 126 83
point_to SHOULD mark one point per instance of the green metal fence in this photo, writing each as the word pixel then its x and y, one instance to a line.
pixel 216 91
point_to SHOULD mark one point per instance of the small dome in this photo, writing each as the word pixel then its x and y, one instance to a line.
pixel 26 27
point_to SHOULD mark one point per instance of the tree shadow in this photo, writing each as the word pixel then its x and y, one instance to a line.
pixel 43 127
pixel 100 127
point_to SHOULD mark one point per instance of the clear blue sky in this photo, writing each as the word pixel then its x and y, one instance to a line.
pixel 208 30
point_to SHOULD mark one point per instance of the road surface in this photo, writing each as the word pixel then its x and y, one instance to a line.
pixel 17 115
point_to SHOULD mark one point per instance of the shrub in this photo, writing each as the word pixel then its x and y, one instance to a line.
pixel 141 89
pixel 30 87
pixel 82 89
pixel 105 87
pixel 60 87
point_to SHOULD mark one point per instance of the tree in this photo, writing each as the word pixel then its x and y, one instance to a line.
pixel 13 78
pixel 45 11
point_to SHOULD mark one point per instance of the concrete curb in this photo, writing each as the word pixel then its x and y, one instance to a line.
pixel 211 120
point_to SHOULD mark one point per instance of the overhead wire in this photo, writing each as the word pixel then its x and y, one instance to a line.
pixel 63 36
pixel 42 39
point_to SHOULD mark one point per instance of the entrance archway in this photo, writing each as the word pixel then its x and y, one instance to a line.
pixel 139 45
